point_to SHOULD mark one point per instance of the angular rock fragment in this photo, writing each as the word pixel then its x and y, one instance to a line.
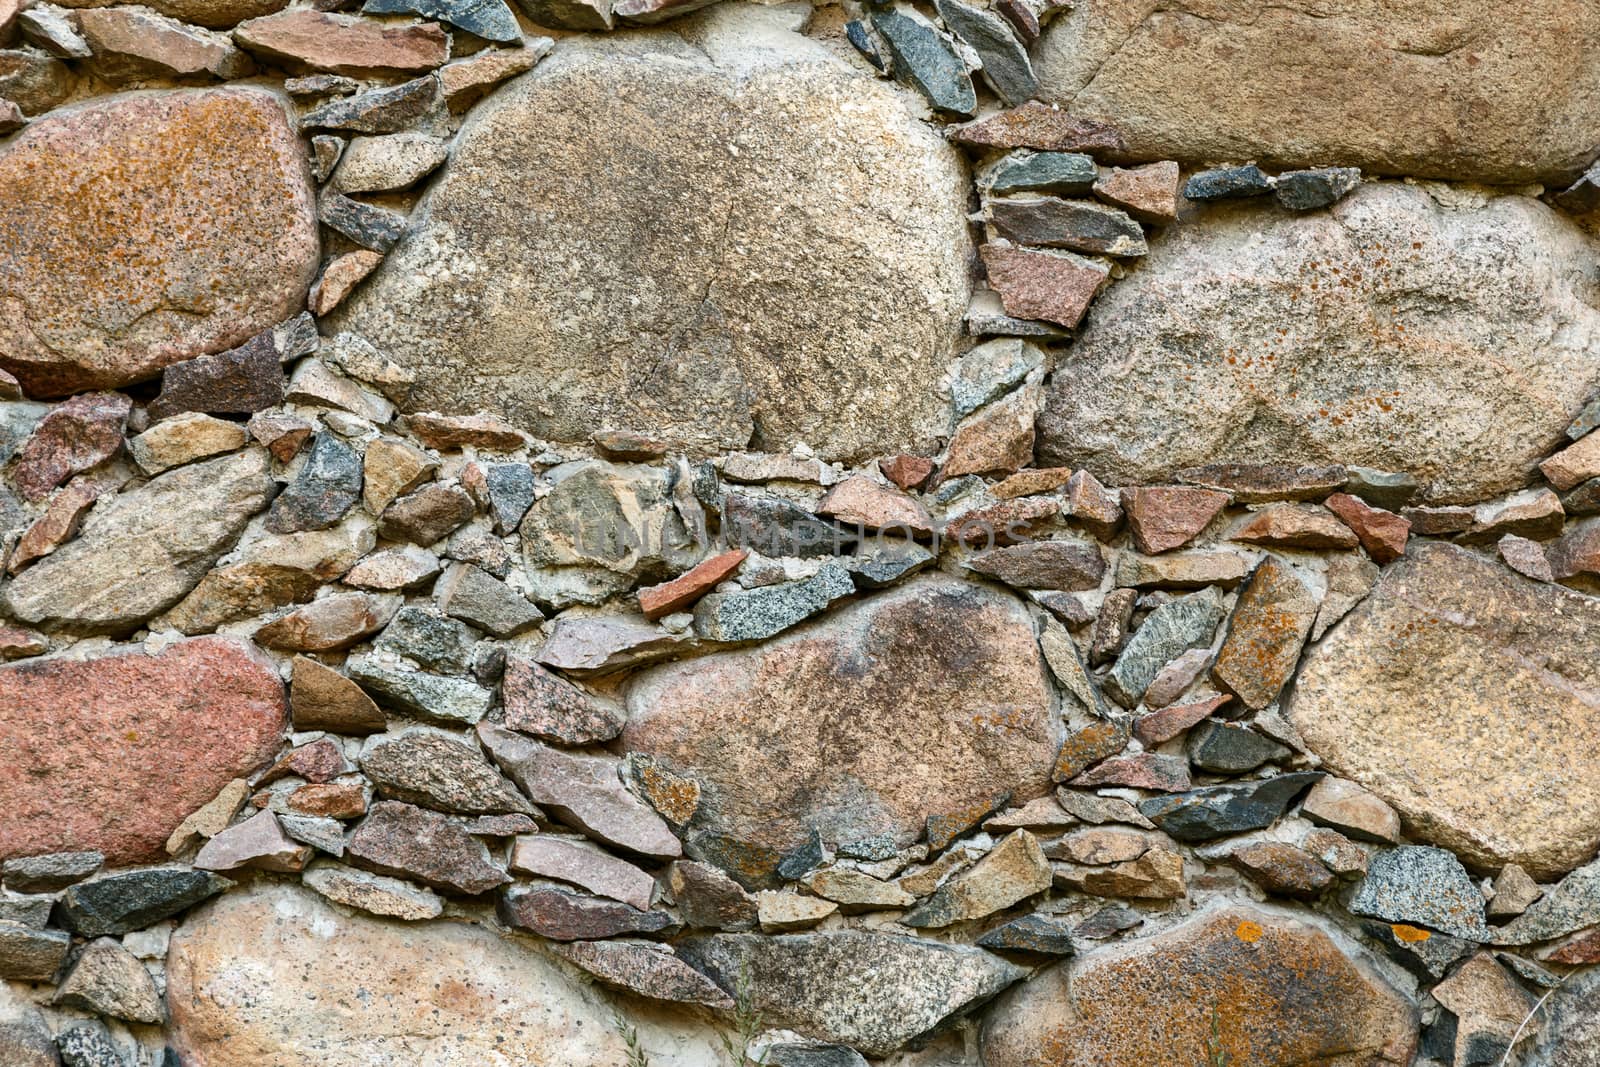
pixel 585 792
pixel 1181 624
pixel 1228 183
pixel 1061 173
pixel 1382 533
pixel 1162 518
pixel 1231 748
pixel 1294 526
pixel 437 771
pixel 1043 565
pixel 1148 193
pixel 466 81
pixel 376 111
pixel 330 624
pixel 108 980
pixel 1308 190
pixel 1353 811
pixel 258 842
pixel 374 893
pixel 862 502
pixel 709 899
pixel 562 915
pixel 1269 625
pixel 321 698
pixel 116 904
pixel 648 970
pixel 757 614
pixel 428 696
pixel 897 988
pixel 577 861
pixel 1572 904
pixel 134 43
pixel 72 437
pixel 1211 812
pixel 410 842
pixel 1005 64
pixel 774 527
pixel 601 645
pixel 779 912
pixel 551 708
pixel 1079 225
pixel 682 592
pixel 1057 287
pixel 31 955
pixel 307 39
pixel 925 59
pixel 1424 887
pixel 1038 125
pixel 1144 770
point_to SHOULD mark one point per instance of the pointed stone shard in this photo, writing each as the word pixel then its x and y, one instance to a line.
pixel 1215 811
pixel 925 60
pixel 1269 625
pixel 652 971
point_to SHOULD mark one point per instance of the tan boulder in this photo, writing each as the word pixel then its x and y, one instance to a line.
pixel 1468 698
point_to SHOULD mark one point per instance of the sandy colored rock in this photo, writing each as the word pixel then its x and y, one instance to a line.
pixel 308 39
pixel 1425 87
pixel 1254 985
pixel 184 439
pixel 112 753
pixel 132 44
pixel 731 160
pixel 1268 626
pixel 1346 807
pixel 224 247
pixel 1461 694
pixel 1294 526
pixel 139 553
pixel 216 14
pixel 339 278
pixel 266 976
pixel 1418 386
pixel 745 723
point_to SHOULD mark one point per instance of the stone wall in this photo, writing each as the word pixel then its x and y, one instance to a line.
pixel 631 533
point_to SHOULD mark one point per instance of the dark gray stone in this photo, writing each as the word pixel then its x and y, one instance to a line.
pixel 1429 958
pixel 1308 190
pixel 1174 627
pixel 442 773
pixel 1070 565
pixel 1005 62
pixel 1570 1035
pixel 775 527
pixel 116 904
pixel 855 31
pixel 510 494
pixel 240 381
pixel 988 372
pixel 1422 886
pixel 1037 934
pixel 30 911
pixel 29 955
pixel 757 614
pixel 1228 183
pixel 1215 811
pixel 371 227
pixel 46 874
pixel 490 19
pixel 474 597
pixel 1108 922
pixel 884 562
pixel 427 696
pixel 1061 173
pixel 326 488
pixel 430 640
pixel 1231 748
pixel 925 60
pixel 379 111
pixel 793 1054
pixel 871 991
pixel 1081 225
pixel 1390 490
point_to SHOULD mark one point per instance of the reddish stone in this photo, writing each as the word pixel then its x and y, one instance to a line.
pixel 1009 523
pixel 1439 522
pixel 327 625
pixel 1022 18
pixel 1145 770
pixel 676 595
pixel 996 440
pixel 562 915
pixel 240 381
pixel 134 43
pixel 1162 726
pixel 58 524
pixel 460 431
pixel 1382 533
pixel 908 472
pixel 410 842
pixel 630 445
pixel 1032 482
pixel 284 435
pixel 1054 286
pixel 1041 126
pixel 1294 526
pixel 339 278
pixel 19 643
pixel 258 842
pixel 324 699
pixel 544 704
pixel 1580 951
pixel 72 437
pixel 320 761
pixel 1266 631
pixel 1164 517
pixel 1093 506
pixel 1283 869
pixel 1148 193
pixel 860 501
pixel 1527 558
pixel 306 39
pixel 329 800
pixel 113 753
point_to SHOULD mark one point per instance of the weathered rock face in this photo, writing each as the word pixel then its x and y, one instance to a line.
pixel 1424 87
pixel 141 552
pixel 1451 342
pixel 921 701
pixel 112 753
pixel 1254 985
pixel 644 280
pixel 114 262
pixel 1466 697
pixel 269 977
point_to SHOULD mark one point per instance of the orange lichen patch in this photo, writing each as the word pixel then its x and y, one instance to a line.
pixel 1409 934
pixel 1248 932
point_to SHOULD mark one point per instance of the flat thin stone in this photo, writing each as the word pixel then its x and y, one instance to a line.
pixel 410 842
pixel 440 772
pixel 1211 812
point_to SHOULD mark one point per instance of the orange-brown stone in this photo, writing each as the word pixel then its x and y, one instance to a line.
pixel 117 262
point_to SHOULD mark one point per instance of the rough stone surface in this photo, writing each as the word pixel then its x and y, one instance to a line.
pixel 140 552
pixel 871 991
pixel 1422 389
pixel 267 977
pixel 1219 810
pixel 701 361
pixel 307 39
pixel 111 753
pixel 258 842
pixel 1171 629
pixel 647 970
pixel 1268 626
pixel 574 860
pixel 547 706
pixel 228 252
pixel 561 915
pixel 1197 83
pixel 439 772
pixel 116 904
pixel 1425 887
pixel 745 723
pixel 1014 870
pixel 107 979
pixel 409 842
pixel 1162 518
pixel 321 698
pixel 71 438
pixel 1236 985
pixel 1456 693
pixel 1043 565
pixel 1346 807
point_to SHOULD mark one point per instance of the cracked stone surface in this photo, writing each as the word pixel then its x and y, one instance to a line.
pixel 655 292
